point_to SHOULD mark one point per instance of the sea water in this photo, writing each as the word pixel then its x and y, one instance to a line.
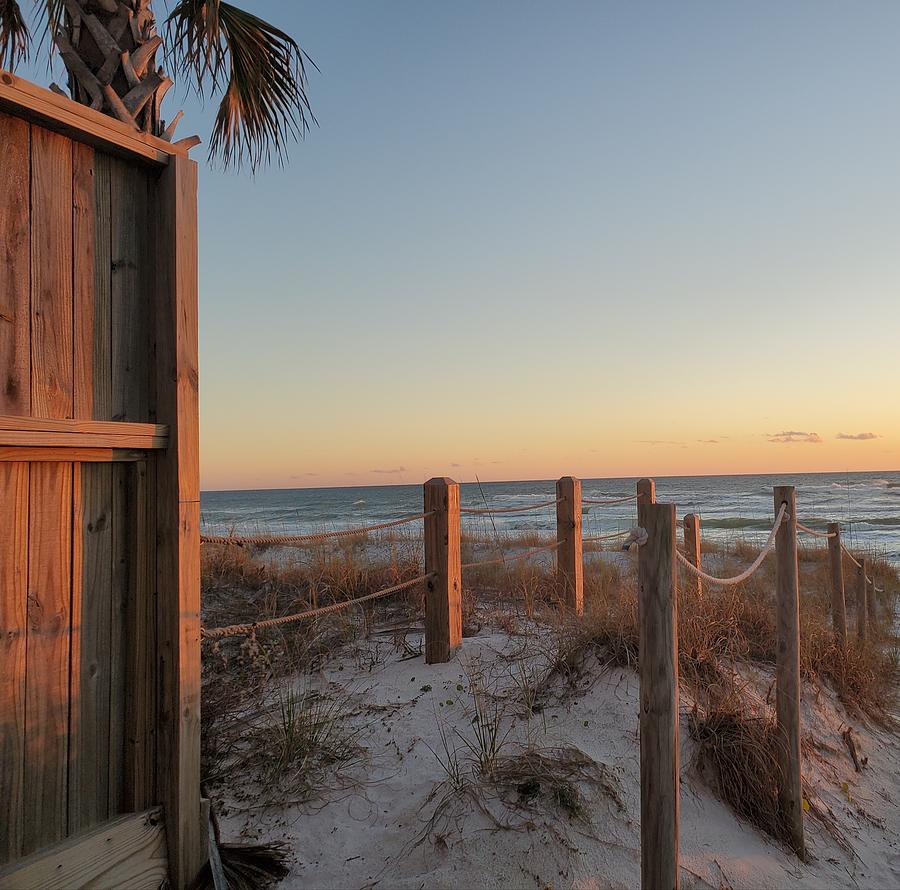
pixel 730 507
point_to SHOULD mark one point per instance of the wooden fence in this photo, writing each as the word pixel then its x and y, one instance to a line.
pixel 99 501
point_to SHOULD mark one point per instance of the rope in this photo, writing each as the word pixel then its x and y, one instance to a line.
pixel 737 579
pixel 850 556
pixel 249 629
pixel 607 537
pixel 491 510
pixel 813 532
pixel 308 539
pixel 631 497
pixel 505 559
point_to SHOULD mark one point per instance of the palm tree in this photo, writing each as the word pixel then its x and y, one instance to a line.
pixel 109 48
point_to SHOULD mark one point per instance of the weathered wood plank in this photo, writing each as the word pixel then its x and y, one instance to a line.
pixel 47 657
pixel 15 268
pixel 178 520
pixel 121 546
pixel 140 635
pixel 14 494
pixel 77 455
pixel 131 289
pixel 98 427
pixel 47 439
pixel 51 275
pixel 84 215
pixel 89 771
pixel 59 113
pixel 129 852
pixel 838 602
pixel 102 290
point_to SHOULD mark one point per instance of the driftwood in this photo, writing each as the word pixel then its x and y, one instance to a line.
pixel 858 763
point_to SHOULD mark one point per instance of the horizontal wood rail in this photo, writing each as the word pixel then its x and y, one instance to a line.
pixel 127 852
pixel 36 432
pixel 62 115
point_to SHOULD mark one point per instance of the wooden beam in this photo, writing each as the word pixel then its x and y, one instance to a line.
pixel 569 555
pixel 128 852
pixel 646 491
pixel 178 521
pixel 787 667
pixel 26 100
pixel 44 433
pixel 660 753
pixel 443 593
pixel 74 455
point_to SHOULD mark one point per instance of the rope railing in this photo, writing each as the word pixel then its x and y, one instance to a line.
pixel 250 628
pixel 851 557
pixel 484 511
pixel 608 537
pixel 597 503
pixel 263 540
pixel 811 531
pixel 750 570
pixel 506 559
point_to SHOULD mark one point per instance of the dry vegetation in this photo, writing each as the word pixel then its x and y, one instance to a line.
pixel 263 721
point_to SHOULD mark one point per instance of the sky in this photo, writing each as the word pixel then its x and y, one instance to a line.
pixel 529 239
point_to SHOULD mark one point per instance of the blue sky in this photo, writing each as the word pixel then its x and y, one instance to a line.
pixel 538 237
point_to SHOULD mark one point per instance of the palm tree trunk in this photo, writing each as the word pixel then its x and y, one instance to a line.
pixel 109 49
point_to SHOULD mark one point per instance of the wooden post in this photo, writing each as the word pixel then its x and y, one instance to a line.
pixel 787 667
pixel 692 546
pixel 646 492
pixel 443 611
pixel 178 523
pixel 870 604
pixel 569 558
pixel 861 629
pixel 659 698
pixel 838 605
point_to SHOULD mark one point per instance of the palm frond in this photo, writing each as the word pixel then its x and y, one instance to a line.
pixel 14 35
pixel 262 70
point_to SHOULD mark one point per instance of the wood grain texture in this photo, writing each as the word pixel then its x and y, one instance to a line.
pixel 838 602
pixel 131 291
pixel 646 491
pixel 787 667
pixel 59 113
pixel 871 607
pixel 19 454
pixel 102 339
pixel 89 771
pixel 47 657
pixel 51 275
pixel 569 555
pixel 691 524
pixel 139 768
pixel 129 852
pixel 14 495
pixel 443 596
pixel 84 215
pixel 177 511
pixel 43 439
pixel 15 267
pixel 660 753
pixel 118 656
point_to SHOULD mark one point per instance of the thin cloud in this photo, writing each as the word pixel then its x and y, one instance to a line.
pixel 708 441
pixel 789 437
pixel 858 437
pixel 389 472
pixel 455 465
pixel 660 442
pixel 303 475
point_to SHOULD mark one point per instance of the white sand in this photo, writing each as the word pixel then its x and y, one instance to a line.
pixel 376 833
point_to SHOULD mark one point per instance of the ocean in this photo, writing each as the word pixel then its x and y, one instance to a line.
pixel 731 507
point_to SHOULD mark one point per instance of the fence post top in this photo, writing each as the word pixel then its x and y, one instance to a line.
pixel 569 479
pixel 441 480
pixel 690 517
pixel 834 527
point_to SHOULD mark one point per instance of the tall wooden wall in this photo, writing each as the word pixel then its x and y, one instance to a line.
pixel 99 499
